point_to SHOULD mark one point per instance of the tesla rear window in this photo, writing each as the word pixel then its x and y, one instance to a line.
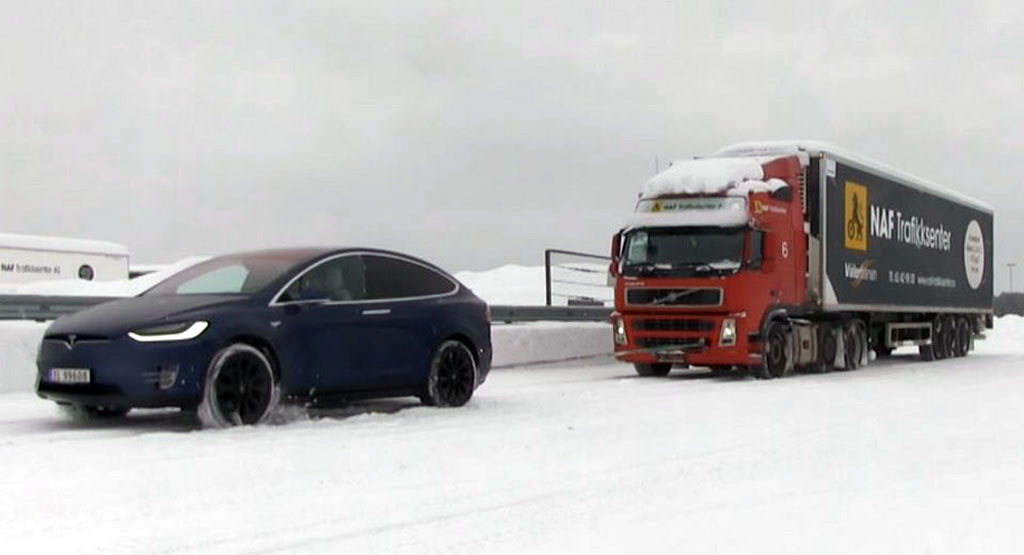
pixel 391 278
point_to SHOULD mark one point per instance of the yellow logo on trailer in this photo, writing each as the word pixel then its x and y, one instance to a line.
pixel 856 217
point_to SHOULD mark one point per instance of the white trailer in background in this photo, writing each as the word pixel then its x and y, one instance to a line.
pixel 31 258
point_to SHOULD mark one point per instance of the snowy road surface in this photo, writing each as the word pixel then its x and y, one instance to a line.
pixel 901 456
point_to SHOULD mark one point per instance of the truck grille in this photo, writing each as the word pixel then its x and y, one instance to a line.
pixel 670 342
pixel 673 325
pixel 692 296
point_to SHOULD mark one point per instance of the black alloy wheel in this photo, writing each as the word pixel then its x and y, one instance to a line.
pixel 241 388
pixel 453 376
pixel 653 369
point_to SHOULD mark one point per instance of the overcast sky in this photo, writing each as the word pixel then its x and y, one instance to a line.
pixel 473 133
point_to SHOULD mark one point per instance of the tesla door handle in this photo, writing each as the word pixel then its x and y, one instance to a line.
pixel 377 312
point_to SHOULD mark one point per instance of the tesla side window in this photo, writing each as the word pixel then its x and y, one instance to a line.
pixel 340 279
pixel 392 278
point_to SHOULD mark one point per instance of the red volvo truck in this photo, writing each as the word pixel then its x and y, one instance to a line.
pixel 797 256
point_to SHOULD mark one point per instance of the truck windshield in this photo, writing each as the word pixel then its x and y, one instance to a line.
pixel 682 251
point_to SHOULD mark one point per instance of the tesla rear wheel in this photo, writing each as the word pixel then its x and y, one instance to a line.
pixel 652 369
pixel 240 388
pixel 452 377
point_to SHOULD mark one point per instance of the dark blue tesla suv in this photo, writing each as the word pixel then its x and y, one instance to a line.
pixel 233 336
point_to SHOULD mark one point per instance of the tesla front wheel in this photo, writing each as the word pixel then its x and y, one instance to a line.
pixel 240 388
pixel 452 377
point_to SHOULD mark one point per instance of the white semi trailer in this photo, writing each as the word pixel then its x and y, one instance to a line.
pixel 32 258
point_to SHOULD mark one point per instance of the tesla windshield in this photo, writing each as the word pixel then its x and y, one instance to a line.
pixel 229 275
pixel 678 251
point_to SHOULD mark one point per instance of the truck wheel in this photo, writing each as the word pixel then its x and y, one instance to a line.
pixel 827 347
pixel 855 345
pixel 653 369
pixel 775 355
pixel 963 337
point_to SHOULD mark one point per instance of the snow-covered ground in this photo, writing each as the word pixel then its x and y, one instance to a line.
pixel 901 456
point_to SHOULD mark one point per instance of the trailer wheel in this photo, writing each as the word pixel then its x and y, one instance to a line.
pixel 653 369
pixel 941 336
pixel 963 337
pixel 775 355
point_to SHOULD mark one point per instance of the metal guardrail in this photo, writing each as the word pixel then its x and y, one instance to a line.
pixel 44 307
pixel 509 314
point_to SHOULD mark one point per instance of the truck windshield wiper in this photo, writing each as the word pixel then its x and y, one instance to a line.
pixel 648 268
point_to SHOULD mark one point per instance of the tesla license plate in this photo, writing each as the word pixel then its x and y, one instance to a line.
pixel 70 375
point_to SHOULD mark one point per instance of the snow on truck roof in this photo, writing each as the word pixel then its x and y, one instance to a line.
pixel 710 176
pixel 770 150
pixel 64 244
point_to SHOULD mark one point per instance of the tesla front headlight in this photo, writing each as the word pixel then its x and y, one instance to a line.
pixel 620 331
pixel 180 331
pixel 728 336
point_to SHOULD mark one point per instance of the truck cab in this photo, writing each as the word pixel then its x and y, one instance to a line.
pixel 713 248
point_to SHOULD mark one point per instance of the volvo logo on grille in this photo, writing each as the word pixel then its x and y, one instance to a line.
pixel 70 343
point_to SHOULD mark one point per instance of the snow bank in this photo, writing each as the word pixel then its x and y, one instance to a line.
pixel 120 288
pixel 519 344
pixel 511 284
pixel 19 342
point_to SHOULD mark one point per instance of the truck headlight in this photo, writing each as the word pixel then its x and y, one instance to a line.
pixel 728 336
pixel 181 331
pixel 620 331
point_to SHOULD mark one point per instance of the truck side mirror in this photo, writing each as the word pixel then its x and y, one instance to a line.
pixel 756 249
pixel 613 268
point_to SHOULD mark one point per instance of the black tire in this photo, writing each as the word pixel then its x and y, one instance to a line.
pixel 963 337
pixel 453 376
pixel 949 341
pixel 775 355
pixel 90 412
pixel 855 345
pixel 827 346
pixel 652 369
pixel 240 388
pixel 939 338
pixel 883 351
